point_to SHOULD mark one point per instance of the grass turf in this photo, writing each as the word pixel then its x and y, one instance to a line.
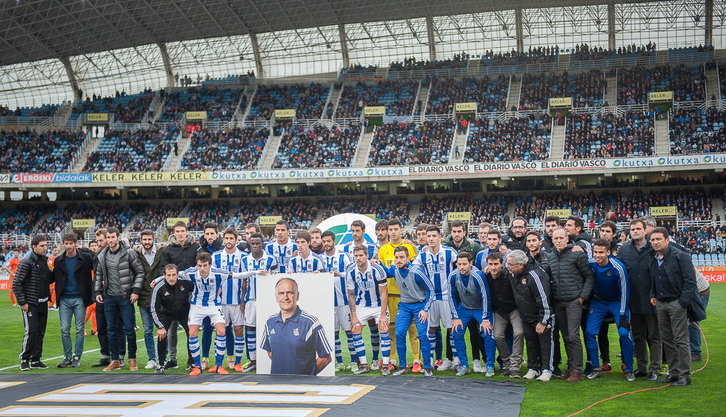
pixel 707 396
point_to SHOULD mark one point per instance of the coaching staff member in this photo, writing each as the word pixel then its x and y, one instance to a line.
pixel 31 286
pixel 170 302
pixel 294 339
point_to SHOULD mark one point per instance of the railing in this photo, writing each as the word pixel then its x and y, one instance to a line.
pixel 125 126
pixel 24 120
pixel 258 124
pixel 675 56
pixel 419 74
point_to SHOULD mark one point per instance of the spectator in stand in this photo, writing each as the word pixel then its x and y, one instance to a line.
pixel 694 131
pixel 231 149
pixel 357 96
pixel 132 151
pixel 28 151
pixel 632 134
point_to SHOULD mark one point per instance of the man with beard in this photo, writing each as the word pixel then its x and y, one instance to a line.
pixel 551 223
pixel 316 241
pixel 150 257
pixel 514 238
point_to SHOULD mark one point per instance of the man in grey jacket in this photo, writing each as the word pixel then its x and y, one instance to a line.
pixel 572 284
pixel 119 279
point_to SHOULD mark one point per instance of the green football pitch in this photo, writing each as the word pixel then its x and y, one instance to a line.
pixel 707 396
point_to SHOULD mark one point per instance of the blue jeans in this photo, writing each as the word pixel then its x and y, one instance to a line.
pixel 694 335
pixel 120 318
pixel 67 308
pixel 148 322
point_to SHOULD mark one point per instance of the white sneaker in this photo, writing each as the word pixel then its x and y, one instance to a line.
pixel 477 366
pixel 375 365
pixel 446 365
pixel 546 376
pixel 531 374
pixel 151 365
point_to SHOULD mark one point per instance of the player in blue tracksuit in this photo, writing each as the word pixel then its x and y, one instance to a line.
pixel 416 290
pixel 470 292
pixel 610 296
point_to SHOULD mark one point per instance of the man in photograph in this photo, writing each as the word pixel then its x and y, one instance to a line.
pixel 294 340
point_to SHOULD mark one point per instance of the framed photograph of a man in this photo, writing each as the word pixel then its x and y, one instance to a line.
pixel 295 323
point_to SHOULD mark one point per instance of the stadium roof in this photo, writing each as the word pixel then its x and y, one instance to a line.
pixel 32 30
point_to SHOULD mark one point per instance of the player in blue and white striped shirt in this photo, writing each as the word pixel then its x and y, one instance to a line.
pixel 230 260
pixel 305 261
pixel 439 261
pixel 368 300
pixel 260 262
pixel 358 230
pixel 337 262
pixel 282 249
pixel 206 302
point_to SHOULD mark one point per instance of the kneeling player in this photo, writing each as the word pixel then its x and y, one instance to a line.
pixel 170 302
pixel 206 302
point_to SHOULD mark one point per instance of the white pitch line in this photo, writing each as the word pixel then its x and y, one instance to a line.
pixel 61 357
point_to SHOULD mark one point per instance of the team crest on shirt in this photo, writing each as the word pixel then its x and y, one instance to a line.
pixel 296 332
pixel 608 273
pixel 524 281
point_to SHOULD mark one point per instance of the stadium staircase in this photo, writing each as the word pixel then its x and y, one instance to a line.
pixel 712 86
pixel 87 150
pixel 157 105
pixel 662 138
pixel 563 62
pixel 132 221
pixel 271 149
pixel 413 212
pixel 423 97
pixel 460 141
pixel 557 144
pixel 243 118
pixel 611 92
pixel 363 149
pixel 717 207
pixel 173 162
pixel 515 89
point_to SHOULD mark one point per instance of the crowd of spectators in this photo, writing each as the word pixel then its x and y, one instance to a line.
pixel 695 131
pixel 587 89
pixel 700 239
pixel 536 55
pixel 217 212
pixel 126 108
pixel 231 149
pixel 458 61
pixel 6 112
pixel 687 83
pixel 380 207
pixel 398 96
pixel 525 138
pixel 219 103
pixel 359 69
pixel 591 206
pixel 299 213
pixel 489 94
pixel 490 208
pixel 21 219
pixel 584 52
pixel 722 77
pixel 31 152
pixel 610 136
pixel 133 111
pixel 307 100
pixel 105 214
pixel 132 151
pixel 317 147
pixel 411 144
pixel 153 216
pixel 44 111
pixel 694 203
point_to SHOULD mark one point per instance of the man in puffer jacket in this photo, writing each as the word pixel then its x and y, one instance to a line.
pixel 572 284
pixel 119 279
pixel 149 256
pixel 31 286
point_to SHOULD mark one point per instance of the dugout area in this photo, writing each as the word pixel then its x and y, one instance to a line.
pixel 255 395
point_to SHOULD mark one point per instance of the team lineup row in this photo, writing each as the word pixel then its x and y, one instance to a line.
pixel 552 283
